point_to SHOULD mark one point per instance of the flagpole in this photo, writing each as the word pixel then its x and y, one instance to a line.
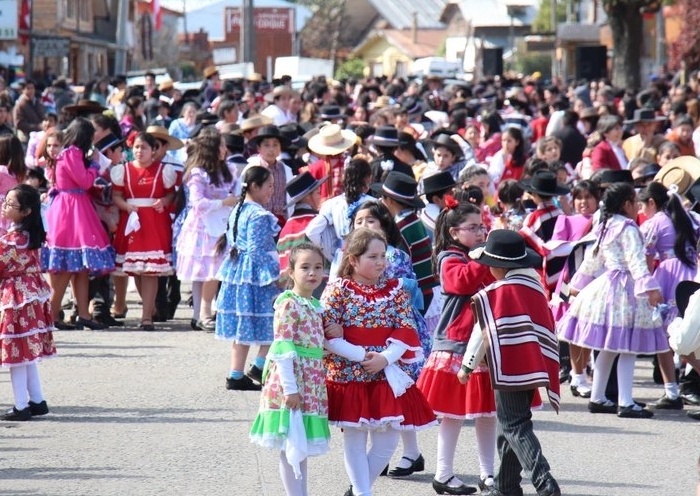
pixel 30 40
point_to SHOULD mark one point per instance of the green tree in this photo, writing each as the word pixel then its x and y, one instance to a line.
pixel 351 68
pixel 543 21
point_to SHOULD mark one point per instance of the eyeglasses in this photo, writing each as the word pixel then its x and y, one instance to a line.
pixel 10 205
pixel 474 228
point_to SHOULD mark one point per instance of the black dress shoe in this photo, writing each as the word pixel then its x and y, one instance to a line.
pixel 445 488
pixel 81 323
pixel 384 472
pixel 108 320
pixel 581 393
pixel 551 488
pixel 690 398
pixel 666 403
pixel 417 465
pixel 245 383
pixel 634 412
pixel 255 373
pixel 607 407
pixel 348 492
pixel 62 326
pixel 38 409
pixel 496 492
pixel 15 415
pixel 208 324
pixel 194 324
pixel 695 414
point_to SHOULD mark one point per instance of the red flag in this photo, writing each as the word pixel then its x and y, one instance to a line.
pixel 25 20
pixel 157 14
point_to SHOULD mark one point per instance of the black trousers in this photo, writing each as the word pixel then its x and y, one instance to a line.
pixel 99 291
pixel 168 296
pixel 518 446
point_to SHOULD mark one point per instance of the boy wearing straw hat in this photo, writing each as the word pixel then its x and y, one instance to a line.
pixel 330 144
pixel 518 341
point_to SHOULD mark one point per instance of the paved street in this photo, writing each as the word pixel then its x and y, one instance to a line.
pixel 136 413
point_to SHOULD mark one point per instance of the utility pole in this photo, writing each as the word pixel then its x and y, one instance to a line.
pixel 247 41
pixel 122 20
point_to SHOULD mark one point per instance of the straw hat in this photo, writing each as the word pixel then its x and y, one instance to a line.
pixel 255 122
pixel 159 132
pixel 331 140
pixel 256 77
pixel 681 171
pixel 166 85
pixel 210 71
pixel 277 92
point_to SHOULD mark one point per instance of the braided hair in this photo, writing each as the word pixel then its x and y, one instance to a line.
pixel 614 199
pixel 670 203
pixel 254 174
pixel 449 218
pixel 355 179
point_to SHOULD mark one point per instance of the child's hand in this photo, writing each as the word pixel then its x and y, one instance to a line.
pixel 462 376
pixel 333 330
pixel 655 297
pixel 159 205
pixel 292 401
pixel 374 362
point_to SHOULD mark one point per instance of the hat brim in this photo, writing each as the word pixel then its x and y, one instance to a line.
pixel 173 143
pixel 74 109
pixel 117 142
pixel 384 142
pixel 558 191
pixel 415 202
pixel 313 187
pixel 690 165
pixel 284 142
pixel 633 121
pixel 315 144
pixel 530 260
pixel 684 291
pixel 454 148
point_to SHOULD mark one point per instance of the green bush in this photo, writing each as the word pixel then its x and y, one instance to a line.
pixel 351 68
pixel 527 64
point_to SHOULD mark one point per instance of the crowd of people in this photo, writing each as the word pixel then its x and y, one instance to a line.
pixel 395 251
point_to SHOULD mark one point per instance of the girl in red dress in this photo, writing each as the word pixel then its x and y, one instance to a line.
pixel 369 391
pixel 26 318
pixel 143 189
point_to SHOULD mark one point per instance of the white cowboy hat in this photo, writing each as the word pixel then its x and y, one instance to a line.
pixel 332 140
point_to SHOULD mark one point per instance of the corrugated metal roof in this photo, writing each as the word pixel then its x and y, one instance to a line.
pixel 399 13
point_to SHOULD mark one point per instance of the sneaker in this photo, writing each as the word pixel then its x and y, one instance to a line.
pixel 634 411
pixel 245 383
pixel 666 403
pixel 15 415
pixel 255 373
pixel 38 409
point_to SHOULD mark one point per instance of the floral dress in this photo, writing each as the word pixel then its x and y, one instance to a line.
pixel 249 280
pixel 372 316
pixel 26 319
pixel 298 332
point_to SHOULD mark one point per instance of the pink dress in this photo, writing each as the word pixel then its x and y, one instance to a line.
pixel 7 182
pixel 75 238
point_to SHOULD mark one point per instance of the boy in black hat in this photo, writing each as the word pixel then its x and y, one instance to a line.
pixel 399 195
pixel 386 140
pixel 516 302
pixel 435 188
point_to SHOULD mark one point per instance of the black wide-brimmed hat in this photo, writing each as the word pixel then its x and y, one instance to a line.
pixel 684 291
pixel 436 183
pixel 386 136
pixel 644 115
pixel 85 107
pixel 606 177
pixel 294 137
pixel 330 112
pixel 234 141
pixel 271 132
pixel 544 182
pixel 300 186
pixel 505 249
pixel 400 187
pixel 444 140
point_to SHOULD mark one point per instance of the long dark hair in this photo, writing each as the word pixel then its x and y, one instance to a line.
pixel 12 156
pixel 386 220
pixel 672 206
pixel 356 174
pixel 29 199
pixel 449 218
pixel 254 174
pixel 614 199
pixel 203 152
pixel 79 133
pixel 520 152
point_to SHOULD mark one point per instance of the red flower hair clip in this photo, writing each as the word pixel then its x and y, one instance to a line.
pixel 450 202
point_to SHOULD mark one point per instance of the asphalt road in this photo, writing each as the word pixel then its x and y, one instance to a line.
pixel 139 413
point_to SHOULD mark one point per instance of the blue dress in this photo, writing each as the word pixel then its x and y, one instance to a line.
pixel 249 281
pixel 399 266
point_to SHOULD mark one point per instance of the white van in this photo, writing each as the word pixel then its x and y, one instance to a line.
pixel 436 66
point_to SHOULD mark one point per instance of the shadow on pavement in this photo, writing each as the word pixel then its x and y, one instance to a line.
pixel 99 415
pixel 54 473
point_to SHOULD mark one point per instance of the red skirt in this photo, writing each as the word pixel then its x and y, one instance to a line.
pixel 372 405
pixel 448 398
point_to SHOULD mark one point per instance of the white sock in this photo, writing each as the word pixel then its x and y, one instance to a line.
pixel 625 379
pixel 196 299
pixel 579 380
pixel 382 447
pixel 356 464
pixel 671 389
pixel 292 485
pixel 409 439
pixel 603 366
pixel 18 377
pixel 34 383
pixel 485 430
pixel 448 435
